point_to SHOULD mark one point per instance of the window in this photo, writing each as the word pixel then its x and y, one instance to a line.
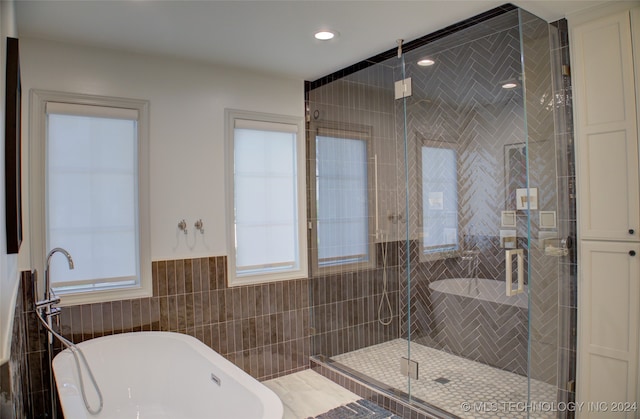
pixel 342 237
pixel 95 178
pixel 266 197
pixel 439 200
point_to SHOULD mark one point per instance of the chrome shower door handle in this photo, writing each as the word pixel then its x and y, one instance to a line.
pixel 509 269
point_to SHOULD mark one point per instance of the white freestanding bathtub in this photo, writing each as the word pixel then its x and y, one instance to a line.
pixel 161 375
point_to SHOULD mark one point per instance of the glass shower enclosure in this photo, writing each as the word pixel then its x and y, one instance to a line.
pixel 440 209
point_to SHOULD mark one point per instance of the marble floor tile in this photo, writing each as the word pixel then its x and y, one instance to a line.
pixel 307 394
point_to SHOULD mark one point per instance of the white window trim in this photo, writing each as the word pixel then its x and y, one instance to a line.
pixel 37 213
pixel 302 272
pixel 360 132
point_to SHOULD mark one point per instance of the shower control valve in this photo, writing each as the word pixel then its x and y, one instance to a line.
pixel 182 226
pixel 49 302
pixel 54 311
pixel 199 225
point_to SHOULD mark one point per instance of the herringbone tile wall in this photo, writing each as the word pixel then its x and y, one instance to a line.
pixel 459 103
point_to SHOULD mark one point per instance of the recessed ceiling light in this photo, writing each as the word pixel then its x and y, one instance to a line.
pixel 325 35
pixel 509 85
pixel 426 62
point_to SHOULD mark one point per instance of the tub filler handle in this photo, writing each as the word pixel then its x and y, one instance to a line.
pixel 509 271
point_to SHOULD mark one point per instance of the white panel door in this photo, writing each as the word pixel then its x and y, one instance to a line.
pixel 606 131
pixel 609 302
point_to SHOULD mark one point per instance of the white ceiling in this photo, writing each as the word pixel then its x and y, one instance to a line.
pixel 264 35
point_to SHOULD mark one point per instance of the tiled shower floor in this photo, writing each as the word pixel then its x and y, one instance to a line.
pixel 473 390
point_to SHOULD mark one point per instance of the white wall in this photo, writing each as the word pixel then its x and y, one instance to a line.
pixel 187 102
pixel 8 263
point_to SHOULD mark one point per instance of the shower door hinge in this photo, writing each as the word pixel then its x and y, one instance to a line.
pixel 403 88
pixel 409 368
pixel 571 386
pixel 310 225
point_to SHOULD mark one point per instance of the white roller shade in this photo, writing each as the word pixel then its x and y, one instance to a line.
pixel 342 195
pixel 265 126
pixel 265 199
pixel 60 108
pixel 91 194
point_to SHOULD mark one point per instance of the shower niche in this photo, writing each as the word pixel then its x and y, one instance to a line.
pixel 414 202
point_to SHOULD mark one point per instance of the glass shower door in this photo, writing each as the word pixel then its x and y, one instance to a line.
pixel 481 204
pixel 449 300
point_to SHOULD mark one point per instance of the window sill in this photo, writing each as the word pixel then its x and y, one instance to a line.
pixel 343 269
pixel 237 281
pixel 432 257
pixel 103 296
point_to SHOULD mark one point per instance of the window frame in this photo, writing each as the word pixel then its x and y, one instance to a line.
pixel 360 132
pixel 37 191
pixel 443 253
pixel 301 272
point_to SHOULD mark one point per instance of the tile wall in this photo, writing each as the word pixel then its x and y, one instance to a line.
pixel 263 329
pixel 14 377
pixel 459 104
pixel 567 268
pixel 346 306
pixel 347 310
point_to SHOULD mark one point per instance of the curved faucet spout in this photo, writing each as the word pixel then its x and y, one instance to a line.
pixel 47 279
pixel 64 252
pixel 45 307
